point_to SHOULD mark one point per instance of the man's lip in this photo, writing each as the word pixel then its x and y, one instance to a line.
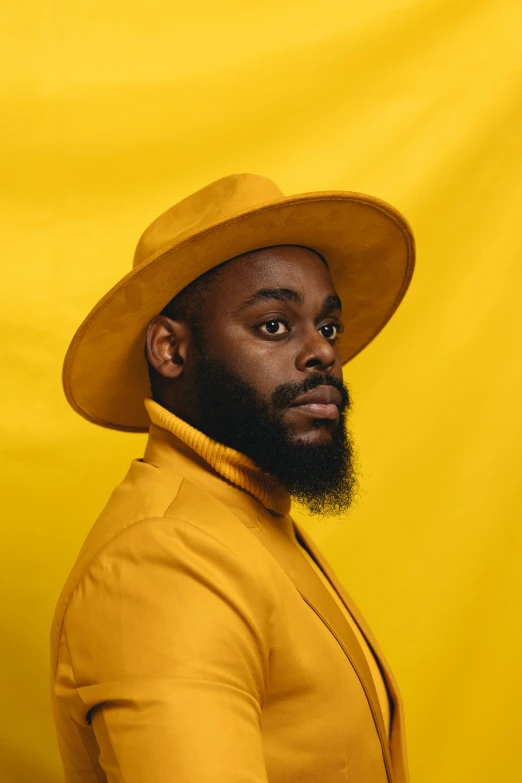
pixel 323 395
pixel 319 410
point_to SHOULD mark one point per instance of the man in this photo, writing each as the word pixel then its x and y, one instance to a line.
pixel 201 637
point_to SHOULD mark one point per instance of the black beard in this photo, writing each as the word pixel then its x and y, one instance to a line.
pixel 229 410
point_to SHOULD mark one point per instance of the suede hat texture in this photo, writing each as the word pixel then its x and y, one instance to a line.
pixel 367 244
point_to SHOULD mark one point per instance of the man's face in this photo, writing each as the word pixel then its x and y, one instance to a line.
pixel 266 378
pixel 272 319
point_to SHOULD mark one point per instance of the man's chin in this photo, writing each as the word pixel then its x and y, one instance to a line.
pixel 319 436
pixel 311 432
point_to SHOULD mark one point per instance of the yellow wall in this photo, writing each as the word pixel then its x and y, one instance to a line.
pixel 115 110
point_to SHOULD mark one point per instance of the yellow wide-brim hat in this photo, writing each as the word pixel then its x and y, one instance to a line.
pixel 367 244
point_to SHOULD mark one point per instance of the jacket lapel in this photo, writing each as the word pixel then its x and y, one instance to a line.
pixel 397 741
pixel 287 554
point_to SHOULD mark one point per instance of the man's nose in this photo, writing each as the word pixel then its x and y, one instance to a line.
pixel 316 352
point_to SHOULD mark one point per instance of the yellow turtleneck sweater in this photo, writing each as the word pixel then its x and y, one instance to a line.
pixel 242 471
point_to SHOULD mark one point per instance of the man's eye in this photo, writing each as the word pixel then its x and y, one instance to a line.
pixel 330 331
pixel 273 327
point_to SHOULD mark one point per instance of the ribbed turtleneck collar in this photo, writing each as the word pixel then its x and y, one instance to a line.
pixel 229 463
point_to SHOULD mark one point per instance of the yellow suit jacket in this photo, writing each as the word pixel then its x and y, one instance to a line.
pixel 193 643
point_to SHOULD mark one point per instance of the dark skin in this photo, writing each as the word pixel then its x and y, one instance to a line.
pixel 278 336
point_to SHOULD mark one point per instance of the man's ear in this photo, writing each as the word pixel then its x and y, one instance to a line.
pixel 168 343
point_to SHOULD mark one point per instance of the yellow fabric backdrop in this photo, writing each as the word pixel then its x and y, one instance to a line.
pixel 112 111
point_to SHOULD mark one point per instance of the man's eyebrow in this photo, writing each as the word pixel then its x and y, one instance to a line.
pixel 332 302
pixel 265 294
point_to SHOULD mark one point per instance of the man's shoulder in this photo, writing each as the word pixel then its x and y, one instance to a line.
pixel 145 492
pixel 149 497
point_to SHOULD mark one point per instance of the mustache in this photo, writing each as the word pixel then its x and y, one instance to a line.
pixel 286 393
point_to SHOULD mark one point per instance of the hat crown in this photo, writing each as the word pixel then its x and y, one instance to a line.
pixel 219 201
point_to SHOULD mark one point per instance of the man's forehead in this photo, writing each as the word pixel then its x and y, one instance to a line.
pixel 287 266
pixel 287 273
pixel 280 272
pixel 282 254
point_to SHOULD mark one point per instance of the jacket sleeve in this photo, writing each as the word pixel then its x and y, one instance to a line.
pixel 168 637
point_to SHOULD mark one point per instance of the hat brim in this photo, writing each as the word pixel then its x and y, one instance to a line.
pixel 369 248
